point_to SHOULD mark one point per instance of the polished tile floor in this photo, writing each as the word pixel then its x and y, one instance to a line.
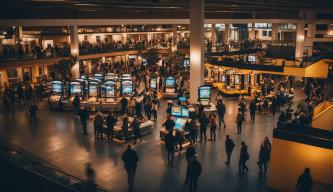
pixel 57 138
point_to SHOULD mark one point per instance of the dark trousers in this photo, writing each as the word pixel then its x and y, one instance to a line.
pixel 148 112
pixel 84 127
pixel 239 127
pixel 262 164
pixel 154 113
pixel 170 154
pixel 229 156
pixel 110 133
pixel 221 119
pixel 242 166
pixel 193 182
pixel 213 133
pixel 137 134
pixel 125 135
pixel 253 115
pixel 130 178
pixel 123 109
pixel 180 144
pixel 203 133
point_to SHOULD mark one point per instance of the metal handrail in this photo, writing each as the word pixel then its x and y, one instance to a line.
pixel 31 167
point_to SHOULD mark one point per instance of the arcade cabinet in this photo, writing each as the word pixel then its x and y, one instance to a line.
pixel 180 115
pixel 109 91
pixel 57 92
pixel 170 88
pixel 93 91
pixel 74 88
pixel 204 98
pixel 126 87
pixel 153 85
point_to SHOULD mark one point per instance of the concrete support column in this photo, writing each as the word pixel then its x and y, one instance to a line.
pixel 252 34
pixel 274 32
pixel 197 14
pixel 74 40
pixel 299 40
pixel 213 35
pixel 226 34
pixel 18 34
pixel 174 37
pixel 311 30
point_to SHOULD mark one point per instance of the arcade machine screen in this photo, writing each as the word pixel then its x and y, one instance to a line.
pixel 252 58
pixel 153 83
pixel 179 122
pixel 170 82
pixel 75 88
pixel 176 111
pixel 93 90
pixel 186 62
pixel 182 99
pixel 99 76
pixel 204 95
pixel 56 88
pixel 185 112
pixel 127 87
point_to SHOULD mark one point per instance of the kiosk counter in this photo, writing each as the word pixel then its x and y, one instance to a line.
pixel 145 128
pixel 74 88
pixel 180 115
pixel 108 96
pixel 57 93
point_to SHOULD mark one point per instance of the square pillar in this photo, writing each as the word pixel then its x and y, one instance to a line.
pixel 174 38
pixel 74 40
pixel 252 34
pixel 213 35
pixel 274 32
pixel 197 13
pixel 226 34
pixel 299 40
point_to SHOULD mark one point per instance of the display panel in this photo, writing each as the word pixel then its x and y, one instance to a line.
pixel 153 83
pixel 182 99
pixel 186 62
pixel 204 92
pixel 110 91
pixel 99 76
pixel 170 82
pixel 127 87
pixel 252 58
pixel 223 78
pixel 185 112
pixel 237 79
pixel 75 88
pixel 179 122
pixel 56 87
pixel 93 90
pixel 176 111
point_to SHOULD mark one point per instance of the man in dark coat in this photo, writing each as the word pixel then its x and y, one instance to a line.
pixel 124 103
pixel 130 158
pixel 84 115
pixel 203 126
pixel 194 172
pixel 229 147
pixel 253 108
pixel 170 144
pixel 221 109
pixel 111 121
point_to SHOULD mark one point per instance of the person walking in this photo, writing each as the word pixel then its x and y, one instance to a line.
pixel 170 144
pixel 239 122
pixel 244 156
pixel 33 111
pixel 263 159
pixel 76 105
pixel 136 129
pixel 221 109
pixel 203 126
pixel 190 153
pixel 179 140
pixel 98 125
pixel 253 108
pixel 84 115
pixel 124 103
pixel 304 181
pixel 111 121
pixel 124 127
pixel 229 147
pixel 213 125
pixel 130 159
pixel 194 172
pixel 154 108
pixel 169 123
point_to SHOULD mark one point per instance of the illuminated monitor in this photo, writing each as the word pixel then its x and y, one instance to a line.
pixel 223 78
pixel 99 76
pixel 93 90
pixel 75 88
pixel 236 79
pixel 252 58
pixel 153 83
pixel 56 87
pixel 110 91
pixel 185 112
pixel 127 87
pixel 176 111
pixel 182 99
pixel 204 93
pixel 186 62
pixel 170 82
pixel 179 122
